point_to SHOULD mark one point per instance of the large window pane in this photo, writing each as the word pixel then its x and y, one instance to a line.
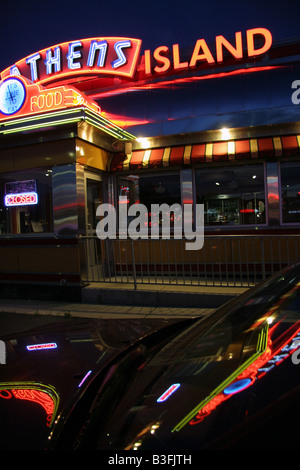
pixel 151 189
pixel 290 192
pixel 20 210
pixel 232 195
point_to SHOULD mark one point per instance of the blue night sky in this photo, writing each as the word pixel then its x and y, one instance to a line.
pixel 27 27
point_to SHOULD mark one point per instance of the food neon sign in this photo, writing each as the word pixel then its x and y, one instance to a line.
pixel 38 99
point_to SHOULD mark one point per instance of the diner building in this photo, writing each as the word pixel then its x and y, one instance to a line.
pixel 102 121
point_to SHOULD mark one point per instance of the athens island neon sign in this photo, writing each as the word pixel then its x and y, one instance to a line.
pixel 19 97
pixel 115 56
pixel 164 59
pixel 112 56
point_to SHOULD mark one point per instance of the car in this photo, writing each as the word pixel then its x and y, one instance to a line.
pixel 227 380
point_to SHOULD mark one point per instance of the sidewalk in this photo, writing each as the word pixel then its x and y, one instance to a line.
pixel 158 302
pixel 66 309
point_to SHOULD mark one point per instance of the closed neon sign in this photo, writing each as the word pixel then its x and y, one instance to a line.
pixel 42 346
pixel 22 199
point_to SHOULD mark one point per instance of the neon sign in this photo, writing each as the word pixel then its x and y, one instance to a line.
pixel 94 56
pixel 43 395
pixel 38 99
pixel 256 367
pixel 84 378
pixel 119 56
pixel 22 199
pixel 165 58
pixel 42 346
pixel 269 353
pixel 168 393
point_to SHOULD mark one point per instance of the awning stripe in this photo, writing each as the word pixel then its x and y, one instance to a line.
pixel 243 149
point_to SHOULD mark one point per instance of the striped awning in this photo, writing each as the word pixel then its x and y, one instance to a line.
pixel 208 152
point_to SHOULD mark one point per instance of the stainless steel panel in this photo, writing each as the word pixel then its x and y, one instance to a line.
pixel 273 193
pixel 65 204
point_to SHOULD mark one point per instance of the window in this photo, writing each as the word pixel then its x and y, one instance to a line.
pixel 151 189
pixel 232 195
pixel 290 192
pixel 26 202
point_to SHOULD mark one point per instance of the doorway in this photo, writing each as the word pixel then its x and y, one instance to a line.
pixel 93 197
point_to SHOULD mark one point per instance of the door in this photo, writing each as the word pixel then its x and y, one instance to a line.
pixel 93 198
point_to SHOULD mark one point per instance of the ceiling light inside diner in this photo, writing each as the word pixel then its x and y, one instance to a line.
pixel 225 133
pixel 143 141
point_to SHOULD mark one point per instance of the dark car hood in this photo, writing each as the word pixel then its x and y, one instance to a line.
pixel 47 368
pixel 224 381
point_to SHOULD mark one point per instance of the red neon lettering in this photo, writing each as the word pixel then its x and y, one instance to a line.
pixel 237 51
pixel 36 396
pixel 176 59
pixel 205 55
pixel 250 41
pixel 46 101
pixel 202 53
pixel 147 56
pixel 165 61
pixel 20 199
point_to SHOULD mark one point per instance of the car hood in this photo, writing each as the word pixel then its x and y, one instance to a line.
pixel 49 367
pixel 229 380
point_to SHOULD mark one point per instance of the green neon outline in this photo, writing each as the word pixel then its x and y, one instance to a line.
pixel 79 114
pixel 48 389
pixel 260 349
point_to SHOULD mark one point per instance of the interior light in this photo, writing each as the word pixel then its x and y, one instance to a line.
pixel 225 133
pixel 143 141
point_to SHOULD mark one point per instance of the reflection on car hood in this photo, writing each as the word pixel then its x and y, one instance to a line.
pixel 48 367
pixel 227 380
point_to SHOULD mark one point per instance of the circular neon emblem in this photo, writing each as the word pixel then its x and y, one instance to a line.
pixel 12 95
